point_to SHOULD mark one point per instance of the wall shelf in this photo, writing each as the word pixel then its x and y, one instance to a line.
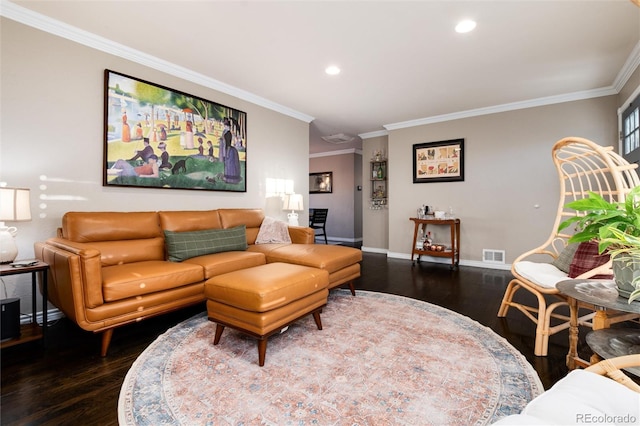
pixel 378 177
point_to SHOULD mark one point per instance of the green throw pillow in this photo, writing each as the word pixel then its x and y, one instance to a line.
pixel 185 245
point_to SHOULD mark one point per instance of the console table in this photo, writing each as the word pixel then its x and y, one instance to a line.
pixel 453 254
pixel 31 331
pixel 604 296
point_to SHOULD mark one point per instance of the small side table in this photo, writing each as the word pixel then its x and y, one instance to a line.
pixel 30 332
pixel 453 254
pixel 604 296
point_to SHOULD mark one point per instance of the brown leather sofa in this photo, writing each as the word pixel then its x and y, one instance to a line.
pixel 108 269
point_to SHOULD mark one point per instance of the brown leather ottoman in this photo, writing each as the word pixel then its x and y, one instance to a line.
pixel 260 301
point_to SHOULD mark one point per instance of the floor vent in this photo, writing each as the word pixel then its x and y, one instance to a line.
pixel 493 256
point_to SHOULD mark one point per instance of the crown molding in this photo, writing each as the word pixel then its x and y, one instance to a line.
pixel 373 134
pixel 630 66
pixel 550 100
pixel 338 152
pixel 44 23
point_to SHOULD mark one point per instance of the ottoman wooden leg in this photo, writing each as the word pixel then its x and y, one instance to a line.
pixel 219 330
pixel 316 317
pixel 262 351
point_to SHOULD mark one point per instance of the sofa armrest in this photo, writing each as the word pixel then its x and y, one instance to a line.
pixel 75 272
pixel 302 235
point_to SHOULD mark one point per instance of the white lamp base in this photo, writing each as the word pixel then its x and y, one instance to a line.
pixel 293 218
pixel 8 248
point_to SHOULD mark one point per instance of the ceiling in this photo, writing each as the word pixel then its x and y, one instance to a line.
pixel 401 61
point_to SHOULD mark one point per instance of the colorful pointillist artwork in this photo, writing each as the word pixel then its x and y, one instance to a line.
pixel 156 137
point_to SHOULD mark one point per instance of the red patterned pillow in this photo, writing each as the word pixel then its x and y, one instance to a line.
pixel 587 258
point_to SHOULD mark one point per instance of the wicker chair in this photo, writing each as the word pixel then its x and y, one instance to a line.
pixel 582 166
pixel 612 369
pixel 586 397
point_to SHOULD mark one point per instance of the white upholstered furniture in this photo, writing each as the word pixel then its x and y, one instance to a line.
pixel 601 394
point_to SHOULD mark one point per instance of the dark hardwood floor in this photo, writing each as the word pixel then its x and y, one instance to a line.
pixel 68 383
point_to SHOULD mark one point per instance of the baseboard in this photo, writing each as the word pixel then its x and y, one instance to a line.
pixel 374 250
pixel 339 239
pixel 463 262
pixel 52 315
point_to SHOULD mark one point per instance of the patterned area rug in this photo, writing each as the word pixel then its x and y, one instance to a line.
pixel 379 360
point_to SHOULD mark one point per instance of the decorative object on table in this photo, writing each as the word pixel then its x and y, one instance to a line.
pixel 582 166
pixel 157 137
pixel 438 161
pixel 615 226
pixel 15 206
pixel 294 203
pixel 380 357
pixel 379 185
pixel 321 183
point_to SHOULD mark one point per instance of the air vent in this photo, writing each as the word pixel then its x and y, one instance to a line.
pixel 493 256
pixel 338 138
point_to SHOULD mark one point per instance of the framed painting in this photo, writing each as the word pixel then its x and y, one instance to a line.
pixel 157 137
pixel 438 161
pixel 321 183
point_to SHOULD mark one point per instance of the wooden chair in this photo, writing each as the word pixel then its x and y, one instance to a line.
pixel 582 166
pixel 612 369
pixel 318 220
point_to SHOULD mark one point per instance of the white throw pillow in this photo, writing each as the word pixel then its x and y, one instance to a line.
pixel 273 231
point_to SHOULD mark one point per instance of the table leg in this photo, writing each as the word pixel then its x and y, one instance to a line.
pixel 45 298
pixel 573 333
pixel 600 319
pixel 415 238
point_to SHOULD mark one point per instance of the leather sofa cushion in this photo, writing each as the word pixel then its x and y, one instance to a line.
pixel 135 279
pixel 327 257
pixel 251 218
pixel 267 287
pixel 185 245
pixel 192 220
pixel 222 263
pixel 129 251
pixel 87 227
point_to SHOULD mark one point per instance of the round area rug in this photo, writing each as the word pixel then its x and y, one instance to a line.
pixel 379 360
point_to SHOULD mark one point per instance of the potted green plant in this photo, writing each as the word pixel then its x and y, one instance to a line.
pixel 616 228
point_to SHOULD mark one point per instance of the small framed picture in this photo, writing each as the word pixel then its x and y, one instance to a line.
pixel 438 161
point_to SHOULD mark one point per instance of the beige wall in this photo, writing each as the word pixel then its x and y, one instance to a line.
pixel 375 223
pixel 52 125
pixel 344 203
pixel 509 196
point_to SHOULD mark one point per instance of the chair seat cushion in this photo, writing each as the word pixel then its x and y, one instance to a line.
pixel 542 274
pixel 582 397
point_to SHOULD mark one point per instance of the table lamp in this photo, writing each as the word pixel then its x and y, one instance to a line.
pixel 14 207
pixel 293 202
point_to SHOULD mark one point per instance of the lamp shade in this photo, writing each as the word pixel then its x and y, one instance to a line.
pixel 14 204
pixel 293 202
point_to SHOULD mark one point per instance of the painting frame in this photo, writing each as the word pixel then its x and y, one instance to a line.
pixel 159 137
pixel 441 161
pixel 321 183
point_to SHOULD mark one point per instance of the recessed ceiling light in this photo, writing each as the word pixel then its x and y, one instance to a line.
pixel 465 26
pixel 332 70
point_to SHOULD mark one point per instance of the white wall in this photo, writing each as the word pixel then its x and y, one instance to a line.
pixel 52 125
